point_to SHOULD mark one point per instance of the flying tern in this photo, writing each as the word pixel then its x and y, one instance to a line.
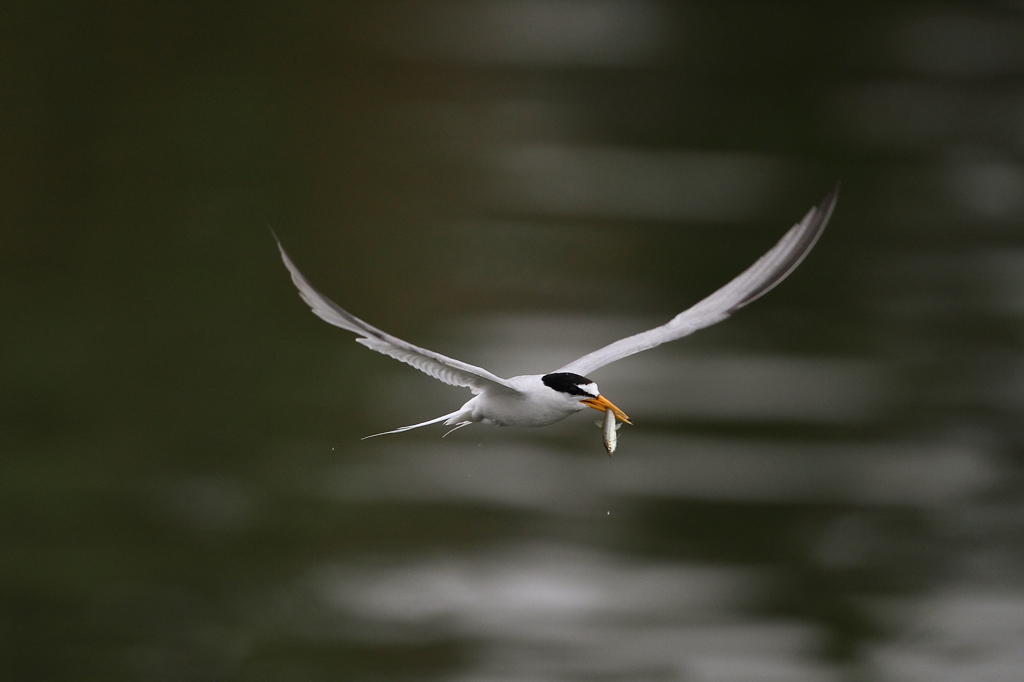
pixel 533 400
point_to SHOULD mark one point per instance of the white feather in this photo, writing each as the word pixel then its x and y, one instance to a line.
pixel 448 370
pixel 751 284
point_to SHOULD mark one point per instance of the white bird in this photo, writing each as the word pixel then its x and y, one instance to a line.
pixel 534 400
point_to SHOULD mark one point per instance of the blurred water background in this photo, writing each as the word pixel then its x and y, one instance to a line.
pixel 826 487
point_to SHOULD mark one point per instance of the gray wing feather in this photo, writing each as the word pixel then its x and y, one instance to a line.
pixel 757 280
pixel 448 370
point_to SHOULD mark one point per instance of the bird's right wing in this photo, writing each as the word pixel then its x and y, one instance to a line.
pixel 751 284
pixel 443 368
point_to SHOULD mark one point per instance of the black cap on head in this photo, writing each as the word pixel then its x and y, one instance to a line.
pixel 566 382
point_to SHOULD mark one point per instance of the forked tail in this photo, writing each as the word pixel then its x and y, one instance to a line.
pixel 416 426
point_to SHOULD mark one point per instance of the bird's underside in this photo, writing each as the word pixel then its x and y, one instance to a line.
pixel 542 399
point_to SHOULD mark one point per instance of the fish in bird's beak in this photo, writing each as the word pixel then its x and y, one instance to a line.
pixel 611 439
pixel 602 404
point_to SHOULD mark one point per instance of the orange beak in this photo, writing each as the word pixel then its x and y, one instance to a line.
pixel 602 404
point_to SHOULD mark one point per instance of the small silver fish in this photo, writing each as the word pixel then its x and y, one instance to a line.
pixel 611 438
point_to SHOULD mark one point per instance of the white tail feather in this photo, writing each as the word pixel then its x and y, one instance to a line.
pixel 416 426
pixel 460 425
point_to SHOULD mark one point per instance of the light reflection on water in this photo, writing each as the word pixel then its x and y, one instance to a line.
pixel 826 487
pixel 532 475
pixel 631 184
pixel 555 610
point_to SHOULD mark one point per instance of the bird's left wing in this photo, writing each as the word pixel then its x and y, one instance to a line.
pixel 754 282
pixel 443 368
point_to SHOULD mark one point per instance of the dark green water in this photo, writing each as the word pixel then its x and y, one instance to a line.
pixel 825 487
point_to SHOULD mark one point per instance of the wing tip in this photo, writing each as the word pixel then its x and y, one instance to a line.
pixel 829 202
pixel 810 229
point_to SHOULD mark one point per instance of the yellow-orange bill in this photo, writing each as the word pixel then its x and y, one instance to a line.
pixel 602 404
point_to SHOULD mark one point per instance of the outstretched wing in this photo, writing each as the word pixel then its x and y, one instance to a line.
pixel 443 368
pixel 753 283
